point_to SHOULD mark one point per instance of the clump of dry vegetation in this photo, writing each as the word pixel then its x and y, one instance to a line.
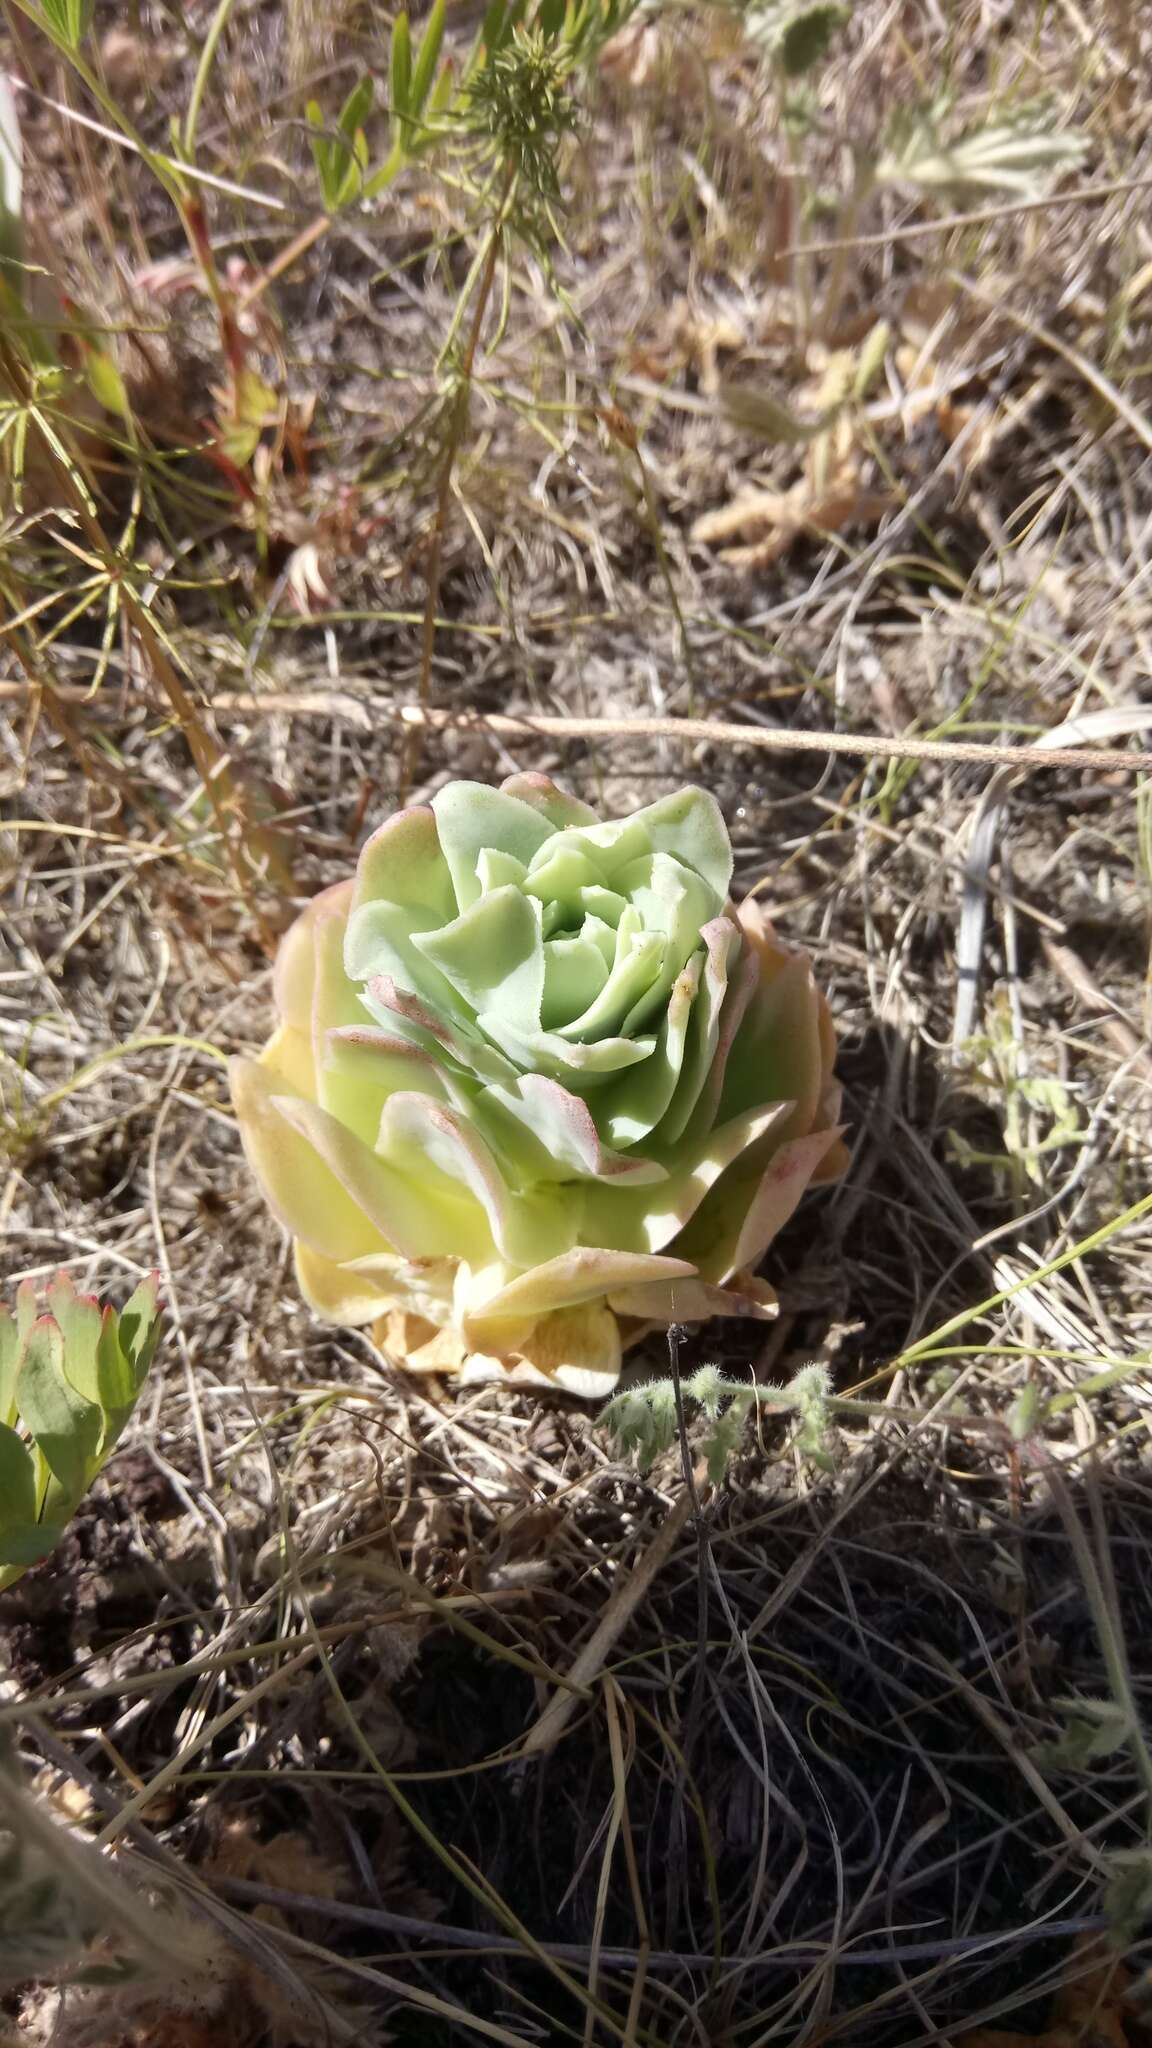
pixel 641 394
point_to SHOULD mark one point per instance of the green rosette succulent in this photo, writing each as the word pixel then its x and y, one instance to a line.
pixel 68 1384
pixel 537 1087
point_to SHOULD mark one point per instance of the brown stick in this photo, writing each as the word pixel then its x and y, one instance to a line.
pixel 781 739
pixel 345 703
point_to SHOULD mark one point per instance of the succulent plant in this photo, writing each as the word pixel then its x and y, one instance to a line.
pixel 68 1384
pixel 536 1086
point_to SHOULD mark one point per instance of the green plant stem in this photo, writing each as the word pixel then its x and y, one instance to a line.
pixel 1095 1577
pixel 203 73
pixel 160 165
pixel 1093 1243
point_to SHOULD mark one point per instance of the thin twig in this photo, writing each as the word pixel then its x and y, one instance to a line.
pixel 779 739
pixel 884 238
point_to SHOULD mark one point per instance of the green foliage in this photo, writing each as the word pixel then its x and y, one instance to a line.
pixel 69 1381
pixel 520 102
pixel 418 96
pixel 521 1139
pixel 643 1422
pixel 510 94
pixel 1019 156
pixel 341 157
pixel 1128 1894
pixel 797 39
pixel 71 19
pixel 1093 1729
pixel 1038 1112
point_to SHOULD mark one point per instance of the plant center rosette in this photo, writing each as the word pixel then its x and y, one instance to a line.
pixel 537 1087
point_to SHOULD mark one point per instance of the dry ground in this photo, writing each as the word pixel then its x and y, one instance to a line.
pixel 287 1656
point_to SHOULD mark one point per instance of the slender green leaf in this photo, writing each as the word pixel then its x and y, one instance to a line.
pixel 424 70
pixel 105 382
pixel 342 157
pixel 400 75
pixel 381 179
pixel 323 153
pixel 492 28
pixel 356 109
pixel 71 19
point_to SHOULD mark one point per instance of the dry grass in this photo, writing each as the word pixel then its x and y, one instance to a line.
pixel 288 1660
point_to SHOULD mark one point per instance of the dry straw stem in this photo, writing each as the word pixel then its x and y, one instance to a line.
pixel 693 731
pixel 862 746
pixel 980 217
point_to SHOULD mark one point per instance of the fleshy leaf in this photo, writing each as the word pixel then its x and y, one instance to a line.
pixel 581 1275
pixel 77 1316
pixel 359 1070
pixel 17 1487
pixel 689 825
pixel 552 802
pixel 651 1227
pixel 140 1324
pixel 9 1363
pixel 450 1158
pixel 299 1187
pixel 338 1293
pixel 739 1219
pixel 403 863
pixel 493 956
pixel 412 1212
pixel 554 1134
pixel 534 1074
pixel 66 1428
pixel 471 816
